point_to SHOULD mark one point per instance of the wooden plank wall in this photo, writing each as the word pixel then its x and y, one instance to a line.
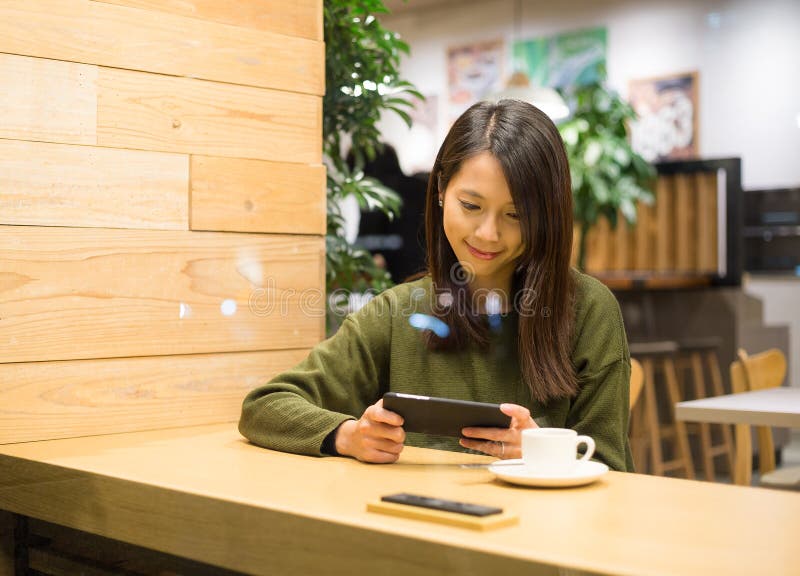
pixel 162 209
pixel 676 234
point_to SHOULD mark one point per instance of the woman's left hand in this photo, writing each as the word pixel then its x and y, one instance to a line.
pixel 501 442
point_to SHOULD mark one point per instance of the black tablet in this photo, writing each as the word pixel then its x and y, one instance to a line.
pixel 443 416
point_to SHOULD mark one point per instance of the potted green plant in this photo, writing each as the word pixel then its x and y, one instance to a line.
pixel 362 62
pixel 608 176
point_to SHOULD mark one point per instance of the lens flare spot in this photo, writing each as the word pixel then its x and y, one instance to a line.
pixel 426 322
pixel 228 307
pixel 184 311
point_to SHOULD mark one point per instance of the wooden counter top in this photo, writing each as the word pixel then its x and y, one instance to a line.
pixel 204 493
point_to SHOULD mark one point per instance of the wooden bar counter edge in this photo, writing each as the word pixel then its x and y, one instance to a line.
pixel 204 493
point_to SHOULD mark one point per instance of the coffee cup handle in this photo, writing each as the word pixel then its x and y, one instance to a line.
pixel 589 441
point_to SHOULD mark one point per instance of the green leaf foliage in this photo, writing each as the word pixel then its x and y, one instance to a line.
pixel 607 175
pixel 362 61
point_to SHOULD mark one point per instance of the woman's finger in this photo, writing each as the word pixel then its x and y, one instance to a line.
pixel 520 416
pixel 379 457
pixel 493 434
pixel 383 445
pixel 378 413
pixel 489 447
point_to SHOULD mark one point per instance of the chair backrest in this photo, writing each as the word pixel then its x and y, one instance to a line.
pixel 758 372
pixel 637 382
pixel 763 370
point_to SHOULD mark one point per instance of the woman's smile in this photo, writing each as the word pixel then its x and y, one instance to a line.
pixel 480 253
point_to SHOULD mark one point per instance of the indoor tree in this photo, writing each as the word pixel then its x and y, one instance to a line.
pixel 608 176
pixel 362 79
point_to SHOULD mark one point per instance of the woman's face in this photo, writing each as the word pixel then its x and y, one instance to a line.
pixel 481 222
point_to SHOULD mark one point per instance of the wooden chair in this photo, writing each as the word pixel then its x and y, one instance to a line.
pixel 697 359
pixel 658 357
pixel 637 382
pixel 758 372
pixel 637 432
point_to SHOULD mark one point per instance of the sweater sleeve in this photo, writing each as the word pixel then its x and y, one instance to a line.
pixel 602 364
pixel 339 379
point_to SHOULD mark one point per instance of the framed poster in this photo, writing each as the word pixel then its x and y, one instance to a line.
pixel 667 107
pixel 565 60
pixel 473 72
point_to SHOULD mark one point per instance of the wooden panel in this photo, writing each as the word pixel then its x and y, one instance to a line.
pixel 47 99
pixel 645 246
pixel 121 37
pixel 48 400
pixel 64 185
pixel 685 230
pixel 296 18
pixel 154 112
pixel 665 247
pixel 598 246
pixel 69 293
pixel 256 196
pixel 706 186
pixel 622 243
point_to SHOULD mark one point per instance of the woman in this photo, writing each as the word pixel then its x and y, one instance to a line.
pixel 522 328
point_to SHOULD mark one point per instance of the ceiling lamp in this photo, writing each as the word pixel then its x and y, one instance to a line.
pixel 545 99
pixel 519 84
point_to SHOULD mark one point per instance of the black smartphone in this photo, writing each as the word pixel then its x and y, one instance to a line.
pixel 442 504
pixel 443 416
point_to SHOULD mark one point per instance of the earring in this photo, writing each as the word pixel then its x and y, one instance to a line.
pixel 440 203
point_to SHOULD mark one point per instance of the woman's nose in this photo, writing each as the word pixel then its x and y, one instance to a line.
pixel 487 230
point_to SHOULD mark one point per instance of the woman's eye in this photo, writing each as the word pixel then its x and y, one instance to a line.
pixel 513 215
pixel 468 205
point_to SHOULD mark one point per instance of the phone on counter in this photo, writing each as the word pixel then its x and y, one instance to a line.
pixel 443 416
pixel 442 504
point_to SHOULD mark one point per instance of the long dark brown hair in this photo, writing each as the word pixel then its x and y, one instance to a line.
pixel 529 148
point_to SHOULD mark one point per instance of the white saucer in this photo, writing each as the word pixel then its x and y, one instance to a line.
pixel 515 471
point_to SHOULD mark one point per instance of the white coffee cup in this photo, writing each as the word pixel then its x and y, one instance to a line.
pixel 553 451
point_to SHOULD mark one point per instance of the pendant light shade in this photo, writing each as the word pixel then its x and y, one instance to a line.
pixel 519 85
pixel 545 99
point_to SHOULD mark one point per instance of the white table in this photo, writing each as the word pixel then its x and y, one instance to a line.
pixel 772 407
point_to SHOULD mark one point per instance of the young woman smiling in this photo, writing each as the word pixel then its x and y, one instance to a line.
pixel 499 235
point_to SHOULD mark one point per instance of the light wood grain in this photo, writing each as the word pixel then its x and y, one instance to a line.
pixel 623 243
pixel 706 185
pixel 259 510
pixel 47 99
pixel 68 293
pixel 645 244
pixel 256 196
pixel 154 112
pixel 62 185
pixel 296 18
pixel 600 255
pixel 665 224
pixel 122 37
pixel 46 400
pixel 685 228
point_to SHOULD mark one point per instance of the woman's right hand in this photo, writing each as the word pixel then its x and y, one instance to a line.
pixel 376 437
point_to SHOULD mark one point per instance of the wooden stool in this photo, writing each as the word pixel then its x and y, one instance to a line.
pixel 693 354
pixel 659 357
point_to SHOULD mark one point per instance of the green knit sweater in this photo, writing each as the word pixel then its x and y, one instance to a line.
pixel 376 350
